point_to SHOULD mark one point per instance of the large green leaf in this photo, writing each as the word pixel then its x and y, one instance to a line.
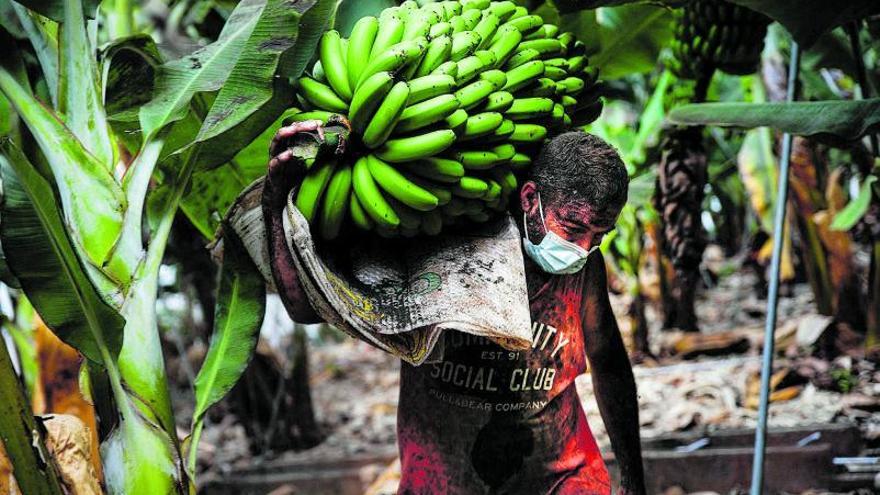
pixel 54 9
pixel 846 120
pixel 856 209
pixel 44 260
pixel 20 436
pixel 806 20
pixel 204 70
pixel 254 95
pixel 211 193
pixel 42 33
pixel 241 303
pixel 95 218
pixel 630 39
pixel 79 98
pixel 351 11
pixel 128 72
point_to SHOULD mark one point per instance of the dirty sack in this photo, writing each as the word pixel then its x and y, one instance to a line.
pixel 400 294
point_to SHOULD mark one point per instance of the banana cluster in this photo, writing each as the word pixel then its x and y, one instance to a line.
pixel 716 34
pixel 446 101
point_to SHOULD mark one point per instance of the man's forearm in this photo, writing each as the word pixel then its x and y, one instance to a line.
pixel 615 391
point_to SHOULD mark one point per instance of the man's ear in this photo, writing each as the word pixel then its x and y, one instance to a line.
pixel 528 198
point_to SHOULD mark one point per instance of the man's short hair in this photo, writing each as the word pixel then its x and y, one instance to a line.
pixel 579 166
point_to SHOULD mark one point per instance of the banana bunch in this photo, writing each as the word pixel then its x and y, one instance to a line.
pixel 447 101
pixel 716 34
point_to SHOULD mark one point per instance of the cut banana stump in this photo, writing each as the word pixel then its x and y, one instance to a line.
pixel 447 101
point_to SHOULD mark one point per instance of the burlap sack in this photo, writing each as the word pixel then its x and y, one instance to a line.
pixel 398 295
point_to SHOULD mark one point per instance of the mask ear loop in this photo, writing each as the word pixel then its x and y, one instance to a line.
pixel 525 217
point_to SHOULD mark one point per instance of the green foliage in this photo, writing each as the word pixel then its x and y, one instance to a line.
pixel 836 120
pixel 630 39
pixel 350 11
pixel 856 209
pixel 241 303
pixel 44 260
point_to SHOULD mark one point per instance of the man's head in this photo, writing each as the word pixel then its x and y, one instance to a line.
pixel 580 183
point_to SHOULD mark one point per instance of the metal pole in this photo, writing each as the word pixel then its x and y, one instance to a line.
pixel 773 293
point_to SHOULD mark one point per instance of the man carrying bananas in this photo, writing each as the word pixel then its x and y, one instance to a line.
pixel 489 420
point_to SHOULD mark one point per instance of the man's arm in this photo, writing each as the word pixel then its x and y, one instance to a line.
pixel 613 381
pixel 285 170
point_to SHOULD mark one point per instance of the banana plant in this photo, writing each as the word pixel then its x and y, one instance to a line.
pixel 84 228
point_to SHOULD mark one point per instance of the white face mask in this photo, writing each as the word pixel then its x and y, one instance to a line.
pixel 554 254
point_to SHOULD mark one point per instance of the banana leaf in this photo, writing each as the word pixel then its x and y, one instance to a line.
pixel 42 33
pixel 54 9
pixel 45 262
pixel 258 89
pixel 95 218
pixel 205 70
pixel 856 209
pixel 630 39
pixel 241 303
pixel 79 101
pixel 805 20
pixel 833 121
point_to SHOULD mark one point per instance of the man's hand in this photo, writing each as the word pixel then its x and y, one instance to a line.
pixel 280 153
pixel 612 376
pixel 286 168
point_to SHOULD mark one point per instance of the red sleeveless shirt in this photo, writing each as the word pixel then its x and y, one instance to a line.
pixel 488 420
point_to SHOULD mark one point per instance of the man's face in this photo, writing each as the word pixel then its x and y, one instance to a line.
pixel 575 221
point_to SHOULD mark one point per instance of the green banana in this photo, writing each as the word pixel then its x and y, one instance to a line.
pixel 505 151
pixel 427 87
pixel 541 88
pixel 573 85
pixel 418 26
pixel 523 75
pixel 363 35
pixel 386 116
pixel 336 203
pixel 577 64
pixel 451 9
pixel 566 40
pixel 476 159
pixel 551 30
pixel 426 113
pixel 370 197
pixel 357 213
pixel 506 178
pixel 432 223
pixel 529 108
pixel 394 58
pixel 321 115
pixel 496 77
pixel 498 101
pixel 481 124
pixel 333 62
pixel 528 133
pixel 502 132
pixel 437 169
pixel 321 96
pixel 494 191
pixel 486 29
pixel 439 190
pixel 440 29
pixel 554 73
pixel 527 24
pixel 416 147
pixel 507 38
pixel 519 12
pixel 449 68
pixel 311 189
pixel 470 187
pixel 522 57
pixel 455 208
pixel 474 93
pixel 478 5
pixel 410 219
pixel 367 99
pixel 464 44
pixel 503 9
pixel 520 161
pixel 457 121
pixel 399 187
pixel 471 18
pixel 389 34
pixel 546 47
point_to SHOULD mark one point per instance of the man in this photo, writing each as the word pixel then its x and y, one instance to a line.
pixel 488 420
